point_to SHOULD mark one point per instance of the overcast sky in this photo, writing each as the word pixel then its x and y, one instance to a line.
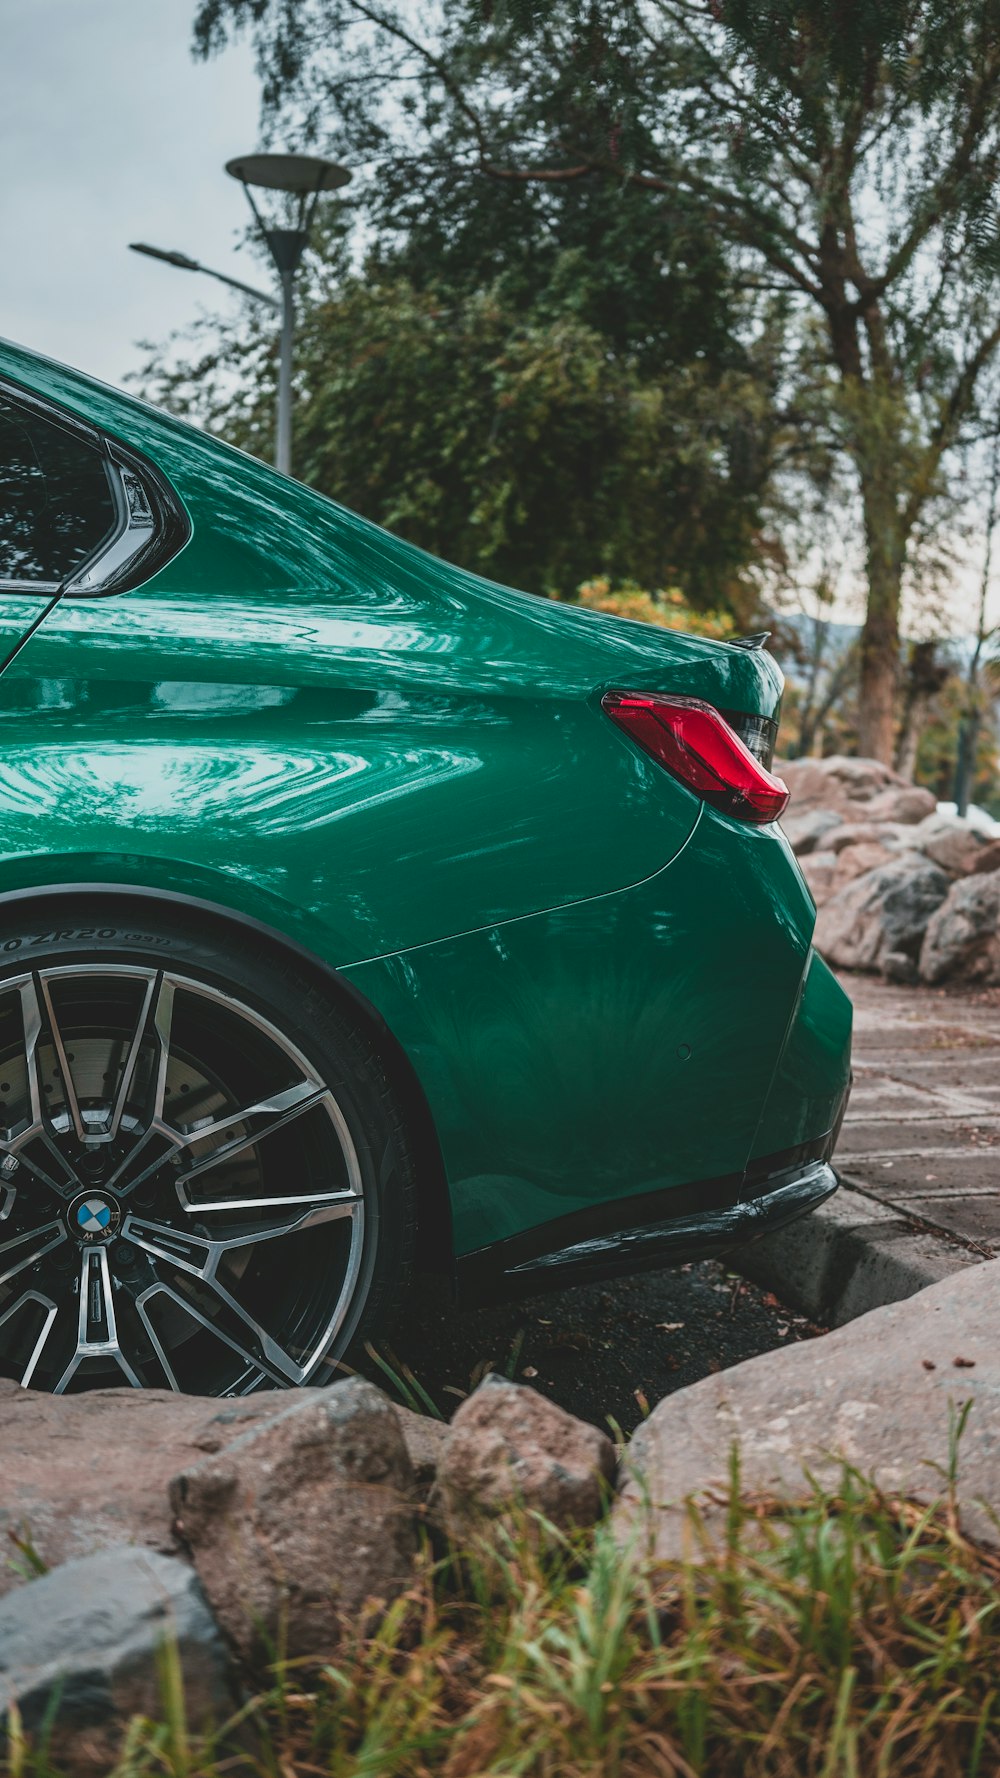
pixel 111 133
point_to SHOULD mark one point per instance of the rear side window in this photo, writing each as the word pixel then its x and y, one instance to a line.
pixel 57 499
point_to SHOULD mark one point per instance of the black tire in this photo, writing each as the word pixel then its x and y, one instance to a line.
pixel 99 1146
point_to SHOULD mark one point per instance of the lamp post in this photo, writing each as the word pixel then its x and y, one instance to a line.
pixel 187 264
pixel 303 177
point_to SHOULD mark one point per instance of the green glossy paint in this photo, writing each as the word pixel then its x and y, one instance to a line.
pixel 405 768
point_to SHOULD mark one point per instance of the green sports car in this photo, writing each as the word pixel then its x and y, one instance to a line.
pixel 359 916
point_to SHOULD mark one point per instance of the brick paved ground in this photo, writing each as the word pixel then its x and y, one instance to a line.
pixel 922 1132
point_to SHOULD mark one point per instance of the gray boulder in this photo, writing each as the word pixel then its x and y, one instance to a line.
pixel 906 803
pixel 91 1635
pixel 302 1521
pixel 892 834
pixel 805 831
pixel 952 843
pixel 883 911
pixel 828 872
pixel 989 858
pixel 877 1393
pixel 819 869
pixel 839 783
pixel 507 1445
pixel 855 861
pixel 962 941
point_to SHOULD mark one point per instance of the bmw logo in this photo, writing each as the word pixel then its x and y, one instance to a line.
pixel 94 1218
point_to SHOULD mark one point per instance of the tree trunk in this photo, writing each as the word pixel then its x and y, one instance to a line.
pixel 879 678
pixel 925 678
pixel 965 763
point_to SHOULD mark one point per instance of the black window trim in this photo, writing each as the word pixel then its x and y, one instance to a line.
pixel 170 530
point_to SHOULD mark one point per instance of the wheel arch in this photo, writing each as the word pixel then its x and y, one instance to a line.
pixel 435 1244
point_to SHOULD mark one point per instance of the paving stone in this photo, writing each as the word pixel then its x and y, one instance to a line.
pixel 922 1134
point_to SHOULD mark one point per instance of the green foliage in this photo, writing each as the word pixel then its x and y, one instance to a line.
pixel 525 446
pixel 937 751
pixel 845 1635
pixel 668 608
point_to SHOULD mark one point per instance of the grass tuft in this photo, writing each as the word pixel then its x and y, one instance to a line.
pixel 847 1635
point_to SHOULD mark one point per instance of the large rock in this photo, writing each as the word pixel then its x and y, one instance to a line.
pixel 952 843
pixel 854 861
pixel 828 872
pixel 93 1631
pixel 301 1521
pixel 905 803
pixel 805 831
pixel 989 858
pixel 819 870
pixel 82 1472
pixel 877 1393
pixel 962 941
pixel 892 834
pixel 838 783
pixel 884 912
pixel 508 1445
pixel 424 1439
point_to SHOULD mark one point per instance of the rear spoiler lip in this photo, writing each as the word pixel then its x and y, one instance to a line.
pixel 751 643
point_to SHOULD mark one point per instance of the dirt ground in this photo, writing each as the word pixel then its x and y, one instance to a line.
pixel 604 1351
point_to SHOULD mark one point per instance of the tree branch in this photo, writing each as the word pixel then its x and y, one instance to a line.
pixel 943 436
pixel 946 187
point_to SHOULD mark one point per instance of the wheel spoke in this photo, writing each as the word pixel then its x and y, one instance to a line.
pixel 26 1250
pixel 158 1001
pixel 251 1354
pixel 31 1165
pixel 31 1017
pixel 155 1022
pixel 97 1328
pixel 279 1108
pixel 69 1085
pixel 153 1337
pixel 49 1313
pixel 37 1127
pixel 340 1198
pixel 277 1111
pixel 200 1257
pixel 202 1254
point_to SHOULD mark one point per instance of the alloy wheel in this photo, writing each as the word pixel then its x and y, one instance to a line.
pixel 181 1200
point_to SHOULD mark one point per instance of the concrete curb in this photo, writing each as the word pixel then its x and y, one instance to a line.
pixel 851 1255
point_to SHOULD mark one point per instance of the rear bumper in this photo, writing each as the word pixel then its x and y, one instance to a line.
pixel 731 1212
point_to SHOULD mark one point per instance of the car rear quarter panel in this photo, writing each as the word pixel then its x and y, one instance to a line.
pixel 621 1046
pixel 301 708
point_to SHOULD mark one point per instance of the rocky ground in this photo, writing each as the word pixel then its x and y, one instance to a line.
pixel 276 1520
pixel 901 889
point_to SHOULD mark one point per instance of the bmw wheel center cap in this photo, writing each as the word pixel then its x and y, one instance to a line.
pixel 94 1217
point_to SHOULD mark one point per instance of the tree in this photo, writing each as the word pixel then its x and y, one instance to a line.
pixel 520 444
pixel 846 151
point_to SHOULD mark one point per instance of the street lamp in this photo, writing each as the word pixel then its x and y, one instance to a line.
pixel 304 177
pixel 187 264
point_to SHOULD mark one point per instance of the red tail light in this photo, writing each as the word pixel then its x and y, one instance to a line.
pixel 698 746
